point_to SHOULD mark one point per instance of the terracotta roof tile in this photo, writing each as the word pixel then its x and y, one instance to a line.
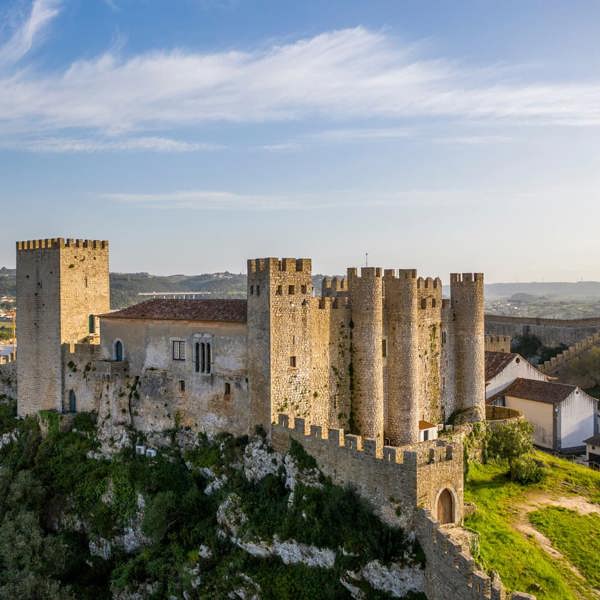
pixel 231 311
pixel 496 362
pixel 539 391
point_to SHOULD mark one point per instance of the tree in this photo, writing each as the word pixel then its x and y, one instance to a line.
pixel 510 441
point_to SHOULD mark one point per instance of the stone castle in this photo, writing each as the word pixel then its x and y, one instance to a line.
pixel 378 353
pixel 364 374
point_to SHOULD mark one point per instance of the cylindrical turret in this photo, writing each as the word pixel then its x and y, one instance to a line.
pixel 469 344
pixel 401 310
pixel 366 293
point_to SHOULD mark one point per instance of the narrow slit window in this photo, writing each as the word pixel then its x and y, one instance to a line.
pixel 197 357
pixel 227 389
pixel 293 361
pixel 291 290
pixel 208 358
pixel 384 348
pixel 182 385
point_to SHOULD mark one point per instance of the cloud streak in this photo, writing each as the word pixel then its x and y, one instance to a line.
pixel 28 33
pixel 59 145
pixel 336 76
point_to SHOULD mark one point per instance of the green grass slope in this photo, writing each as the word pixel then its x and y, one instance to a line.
pixel 502 506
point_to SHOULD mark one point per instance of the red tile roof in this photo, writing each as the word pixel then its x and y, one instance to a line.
pixel 539 391
pixel 496 362
pixel 230 311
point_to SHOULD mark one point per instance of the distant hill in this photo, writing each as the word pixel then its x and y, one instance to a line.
pixel 580 290
pixel 125 287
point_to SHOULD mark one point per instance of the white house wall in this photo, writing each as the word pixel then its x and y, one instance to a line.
pixel 540 415
pixel 577 415
pixel 512 371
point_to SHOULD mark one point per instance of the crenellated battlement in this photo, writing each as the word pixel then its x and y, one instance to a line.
pixel 83 351
pixel 365 273
pixel 429 283
pixel 400 274
pixel 333 286
pixel 290 265
pixel 57 243
pixel 421 454
pixel 465 278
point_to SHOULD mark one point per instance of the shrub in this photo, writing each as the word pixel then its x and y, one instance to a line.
pixel 526 469
pixel 509 441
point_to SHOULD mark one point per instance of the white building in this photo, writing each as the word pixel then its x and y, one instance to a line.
pixel 563 416
pixel 502 368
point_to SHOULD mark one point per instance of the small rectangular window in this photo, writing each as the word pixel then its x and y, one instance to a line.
pixel 178 350
pixel 258 290
pixel 292 361
pixel 182 385
pixel 279 290
pixel 291 290
pixel 227 389
pixel 303 289
pixel 251 290
pixel 384 348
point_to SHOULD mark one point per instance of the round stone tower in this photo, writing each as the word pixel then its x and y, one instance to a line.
pixel 466 292
pixel 366 296
pixel 401 313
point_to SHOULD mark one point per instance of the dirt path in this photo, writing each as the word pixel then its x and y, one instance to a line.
pixel 538 500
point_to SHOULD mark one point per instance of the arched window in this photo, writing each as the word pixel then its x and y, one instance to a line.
pixel 72 401
pixel 445 507
pixel 118 354
pixel 202 357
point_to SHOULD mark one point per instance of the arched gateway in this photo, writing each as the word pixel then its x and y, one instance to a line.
pixel 445 507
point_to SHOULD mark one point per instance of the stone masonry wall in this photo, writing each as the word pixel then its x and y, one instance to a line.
pixel 395 480
pixel 39 368
pixel 497 343
pixel 429 293
pixel 60 284
pixel 366 293
pixel 402 361
pixel 469 343
pixel 450 571
pixel 552 332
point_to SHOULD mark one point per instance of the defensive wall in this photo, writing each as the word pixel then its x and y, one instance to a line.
pixel 556 365
pixel 396 480
pixel 552 332
pixel 403 485
pixel 451 573
pixel 497 343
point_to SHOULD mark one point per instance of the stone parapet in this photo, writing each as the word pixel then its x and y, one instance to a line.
pixel 451 572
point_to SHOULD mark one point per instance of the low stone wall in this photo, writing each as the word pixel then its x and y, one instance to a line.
pixel 560 361
pixel 394 479
pixel 552 332
pixel 451 573
pixel 8 375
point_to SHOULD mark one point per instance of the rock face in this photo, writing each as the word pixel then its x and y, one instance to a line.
pixel 393 579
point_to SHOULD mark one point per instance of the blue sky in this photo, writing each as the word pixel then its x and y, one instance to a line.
pixel 443 136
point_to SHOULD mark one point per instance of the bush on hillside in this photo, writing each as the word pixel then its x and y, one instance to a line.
pixel 526 469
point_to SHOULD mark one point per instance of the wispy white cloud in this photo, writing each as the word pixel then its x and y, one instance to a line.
pixel 69 145
pixel 473 140
pixel 339 76
pixel 29 32
pixel 360 134
pixel 223 200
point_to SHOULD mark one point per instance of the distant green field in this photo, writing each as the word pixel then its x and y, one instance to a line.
pixel 518 557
